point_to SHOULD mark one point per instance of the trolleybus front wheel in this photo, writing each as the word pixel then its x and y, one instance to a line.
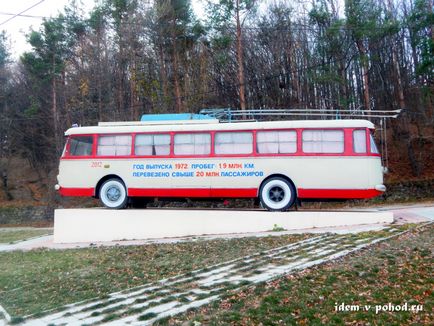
pixel 277 194
pixel 113 194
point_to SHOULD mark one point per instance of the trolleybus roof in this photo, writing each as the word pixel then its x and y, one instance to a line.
pixel 208 125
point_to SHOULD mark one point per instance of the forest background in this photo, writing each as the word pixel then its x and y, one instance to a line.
pixel 126 58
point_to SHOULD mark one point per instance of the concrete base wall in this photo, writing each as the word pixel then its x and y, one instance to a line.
pixel 98 224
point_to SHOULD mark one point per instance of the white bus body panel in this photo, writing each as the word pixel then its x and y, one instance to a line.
pixel 306 172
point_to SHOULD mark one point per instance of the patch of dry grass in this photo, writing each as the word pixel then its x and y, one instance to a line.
pixel 397 271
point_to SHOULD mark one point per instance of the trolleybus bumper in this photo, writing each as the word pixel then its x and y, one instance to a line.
pixel 381 188
pixel 75 192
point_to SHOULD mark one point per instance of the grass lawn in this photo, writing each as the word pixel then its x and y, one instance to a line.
pixel 38 280
pixel 398 271
pixel 10 235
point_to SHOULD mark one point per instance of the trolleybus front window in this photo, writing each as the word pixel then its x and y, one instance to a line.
pixel 374 148
pixel 80 146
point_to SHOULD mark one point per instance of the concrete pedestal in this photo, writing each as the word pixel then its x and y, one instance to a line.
pixel 99 224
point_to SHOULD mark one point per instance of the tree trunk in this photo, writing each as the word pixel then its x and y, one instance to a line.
pixel 404 120
pixel 178 100
pixel 242 88
pixel 203 74
pixel 134 98
pixel 343 96
pixel 120 78
pixel 54 109
pixel 295 86
pixel 365 74
pixel 163 73
pixel 99 75
pixel 66 109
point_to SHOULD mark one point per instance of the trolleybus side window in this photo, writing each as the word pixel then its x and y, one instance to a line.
pixel 323 141
pixel 114 145
pixel 276 142
pixel 359 141
pixel 80 145
pixel 192 144
pixel 233 143
pixel 152 144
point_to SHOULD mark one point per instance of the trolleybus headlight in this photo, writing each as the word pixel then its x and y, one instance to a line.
pixel 56 187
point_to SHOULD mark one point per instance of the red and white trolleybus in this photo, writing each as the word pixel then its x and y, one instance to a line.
pixel 277 162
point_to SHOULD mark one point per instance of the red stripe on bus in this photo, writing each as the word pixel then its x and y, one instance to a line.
pixel 194 192
pixel 338 193
pixel 75 192
pixel 175 192
pixel 228 193
pixel 235 193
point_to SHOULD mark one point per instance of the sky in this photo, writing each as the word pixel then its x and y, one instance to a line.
pixel 17 27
